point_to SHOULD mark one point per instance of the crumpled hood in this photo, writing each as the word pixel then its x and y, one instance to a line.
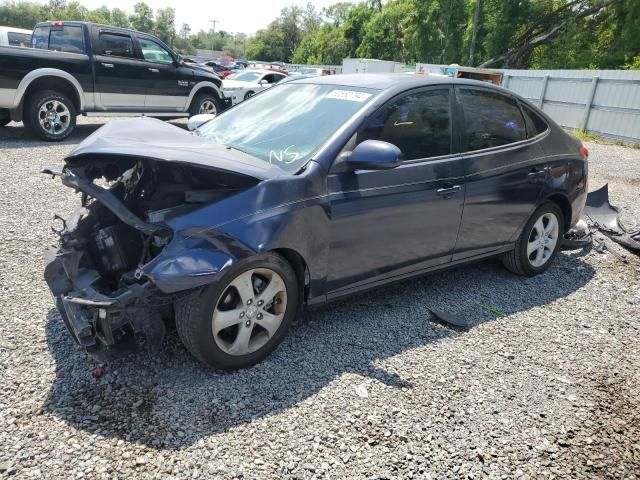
pixel 156 140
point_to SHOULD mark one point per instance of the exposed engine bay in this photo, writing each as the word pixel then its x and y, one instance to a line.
pixel 96 273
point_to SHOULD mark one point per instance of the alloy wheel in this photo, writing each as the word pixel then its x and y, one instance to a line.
pixel 249 312
pixel 209 107
pixel 543 240
pixel 54 117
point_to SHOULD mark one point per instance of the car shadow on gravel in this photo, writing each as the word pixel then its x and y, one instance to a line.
pixel 169 401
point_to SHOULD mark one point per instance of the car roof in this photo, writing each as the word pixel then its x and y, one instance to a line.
pixel 388 81
pixel 13 29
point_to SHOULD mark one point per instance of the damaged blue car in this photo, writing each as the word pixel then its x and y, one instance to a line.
pixel 309 192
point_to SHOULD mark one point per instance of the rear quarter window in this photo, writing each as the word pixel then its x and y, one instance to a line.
pixel 491 119
pixel 535 123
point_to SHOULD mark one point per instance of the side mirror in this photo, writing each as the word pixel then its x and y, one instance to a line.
pixel 179 59
pixel 263 82
pixel 198 120
pixel 375 155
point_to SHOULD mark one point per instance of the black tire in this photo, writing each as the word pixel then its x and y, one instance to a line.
pixel 199 100
pixel 32 115
pixel 5 118
pixel 194 315
pixel 248 95
pixel 517 260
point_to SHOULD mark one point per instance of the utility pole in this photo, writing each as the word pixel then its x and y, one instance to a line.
pixel 213 37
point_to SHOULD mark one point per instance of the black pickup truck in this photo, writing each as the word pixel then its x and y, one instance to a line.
pixel 77 68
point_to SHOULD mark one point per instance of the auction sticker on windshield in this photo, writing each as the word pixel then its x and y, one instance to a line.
pixel 348 95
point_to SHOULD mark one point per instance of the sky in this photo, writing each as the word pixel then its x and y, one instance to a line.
pixel 235 16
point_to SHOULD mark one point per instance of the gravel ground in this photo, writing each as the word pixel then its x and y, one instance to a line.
pixel 545 385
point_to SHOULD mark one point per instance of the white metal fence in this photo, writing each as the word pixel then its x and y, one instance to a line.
pixel 602 102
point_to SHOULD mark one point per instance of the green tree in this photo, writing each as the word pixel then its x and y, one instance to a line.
pixel 355 24
pixel 22 14
pixel 119 18
pixel 338 12
pixel 391 33
pixel 165 25
pixel 325 46
pixel 142 18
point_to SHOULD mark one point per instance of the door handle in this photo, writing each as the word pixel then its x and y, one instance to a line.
pixel 447 190
pixel 107 65
pixel 536 175
pixel 154 70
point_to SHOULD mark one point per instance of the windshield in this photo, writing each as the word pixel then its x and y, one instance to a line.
pixel 247 76
pixel 286 124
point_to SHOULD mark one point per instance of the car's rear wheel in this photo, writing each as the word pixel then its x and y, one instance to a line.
pixel 204 103
pixel 5 118
pixel 240 319
pixel 538 243
pixel 50 115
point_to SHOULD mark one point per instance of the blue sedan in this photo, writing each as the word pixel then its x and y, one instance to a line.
pixel 312 191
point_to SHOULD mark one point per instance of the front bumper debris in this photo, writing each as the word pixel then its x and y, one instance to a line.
pixel 108 327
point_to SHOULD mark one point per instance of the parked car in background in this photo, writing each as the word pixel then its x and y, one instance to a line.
pixel 363 181
pixel 247 83
pixel 220 70
pixel 83 68
pixel 316 71
pixel 15 37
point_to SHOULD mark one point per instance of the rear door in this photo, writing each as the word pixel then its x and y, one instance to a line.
pixel 392 222
pixel 168 86
pixel 121 78
pixel 505 171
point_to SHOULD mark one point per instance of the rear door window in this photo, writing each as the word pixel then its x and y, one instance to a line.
pixel 419 124
pixel 17 39
pixel 66 39
pixel 115 45
pixel 491 119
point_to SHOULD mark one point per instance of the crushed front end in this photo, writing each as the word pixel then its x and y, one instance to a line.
pixel 97 271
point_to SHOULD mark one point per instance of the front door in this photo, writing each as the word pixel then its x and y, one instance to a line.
pixel 391 222
pixel 169 86
pixel 505 171
pixel 120 77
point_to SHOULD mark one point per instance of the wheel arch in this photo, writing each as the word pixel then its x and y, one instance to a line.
pixel 47 79
pixel 299 266
pixel 565 205
pixel 203 87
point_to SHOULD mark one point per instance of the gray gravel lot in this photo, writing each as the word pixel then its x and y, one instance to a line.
pixel 546 385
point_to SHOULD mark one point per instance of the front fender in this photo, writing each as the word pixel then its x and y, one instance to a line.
pixel 193 259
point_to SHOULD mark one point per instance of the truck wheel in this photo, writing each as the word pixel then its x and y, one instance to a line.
pixel 204 103
pixel 5 118
pixel 242 317
pixel 50 115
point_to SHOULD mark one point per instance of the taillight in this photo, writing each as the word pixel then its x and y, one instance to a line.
pixel 584 152
pixel 57 24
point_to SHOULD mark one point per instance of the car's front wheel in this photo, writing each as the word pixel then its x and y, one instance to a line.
pixel 538 243
pixel 241 318
pixel 248 95
pixel 50 115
